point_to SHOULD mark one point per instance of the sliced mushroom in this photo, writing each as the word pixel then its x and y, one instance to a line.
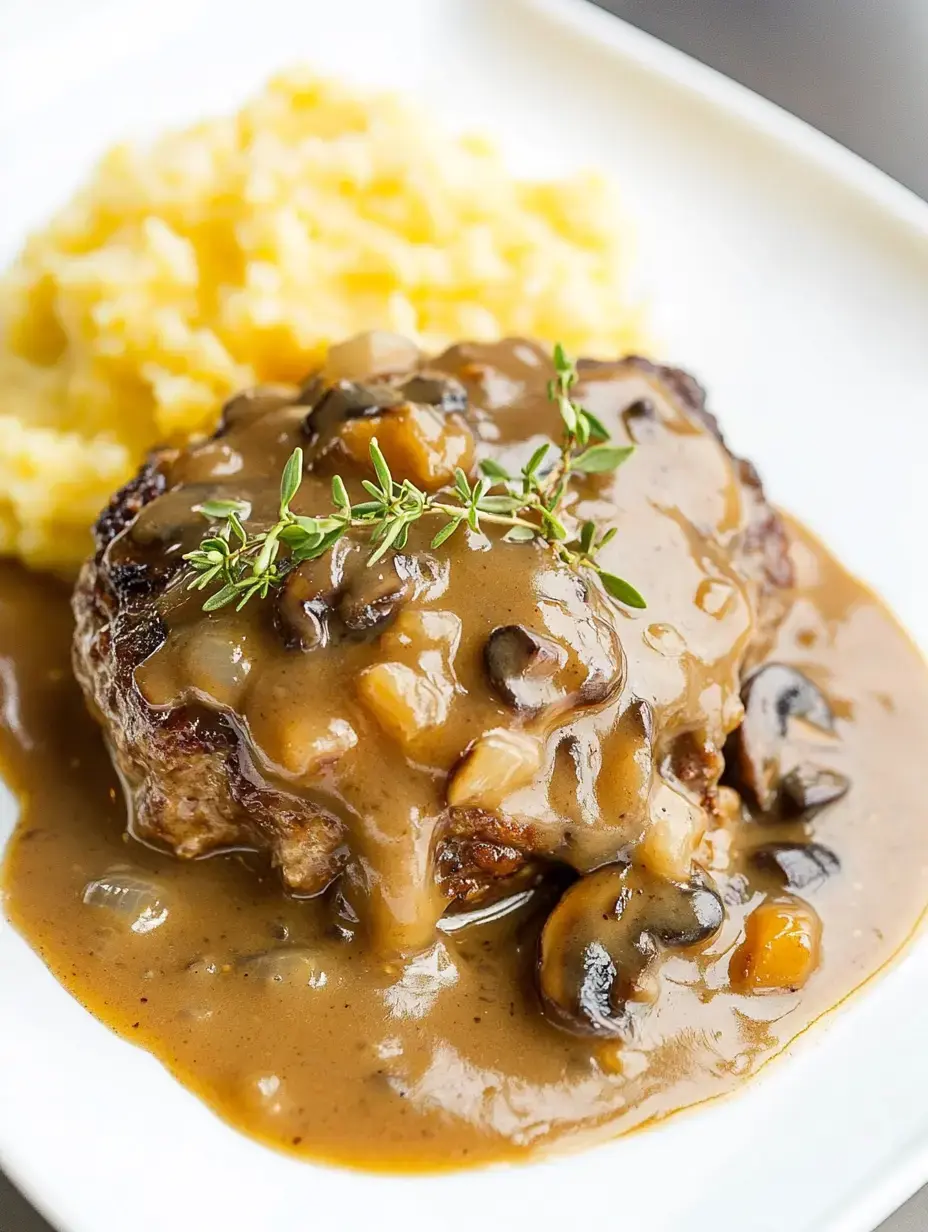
pixel 497 763
pixel 641 408
pixel 443 392
pixel 796 866
pixel 375 595
pixel 336 402
pixel 772 696
pixel 806 789
pixel 779 692
pixel 254 402
pixel 333 405
pixel 521 665
pixel 372 595
pixel 640 419
pixel 304 606
pixel 602 940
pixel 580 622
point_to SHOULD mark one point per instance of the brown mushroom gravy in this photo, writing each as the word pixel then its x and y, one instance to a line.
pixel 560 868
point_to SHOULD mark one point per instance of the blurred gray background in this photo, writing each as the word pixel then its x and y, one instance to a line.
pixel 856 69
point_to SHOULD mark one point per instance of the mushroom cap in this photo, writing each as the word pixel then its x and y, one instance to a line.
pixel 607 932
pixel 796 866
pixel 774 694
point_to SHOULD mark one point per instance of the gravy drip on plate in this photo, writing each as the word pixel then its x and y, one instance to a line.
pixel 306 1039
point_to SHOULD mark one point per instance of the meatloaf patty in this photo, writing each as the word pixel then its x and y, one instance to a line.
pixel 447 723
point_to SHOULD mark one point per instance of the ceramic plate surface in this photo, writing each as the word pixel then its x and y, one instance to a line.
pixel 793 279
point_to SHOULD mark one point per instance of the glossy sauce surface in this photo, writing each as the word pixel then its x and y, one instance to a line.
pixel 306 1040
pixel 366 740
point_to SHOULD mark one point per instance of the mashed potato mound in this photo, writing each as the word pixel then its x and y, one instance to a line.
pixel 237 250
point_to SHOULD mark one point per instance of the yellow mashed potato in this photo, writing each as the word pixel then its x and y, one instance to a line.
pixel 237 250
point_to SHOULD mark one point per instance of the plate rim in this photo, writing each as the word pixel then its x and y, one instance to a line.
pixel 863 1208
pixel 732 98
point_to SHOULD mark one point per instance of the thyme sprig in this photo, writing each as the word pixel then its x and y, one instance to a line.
pixel 528 504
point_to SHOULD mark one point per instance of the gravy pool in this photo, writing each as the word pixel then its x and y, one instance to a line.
pixel 306 1042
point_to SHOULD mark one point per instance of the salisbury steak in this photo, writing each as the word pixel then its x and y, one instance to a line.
pixel 449 719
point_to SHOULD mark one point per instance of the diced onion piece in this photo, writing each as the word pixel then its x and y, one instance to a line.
pixel 136 903
pixel 216 660
pixel 375 353
pixel 412 691
pixel 674 831
pixel 497 764
pixel 300 744
pixel 287 965
pixel 403 700
pixel 781 948
pixel 419 442
pixel 212 658
pixel 615 1057
pixel 417 631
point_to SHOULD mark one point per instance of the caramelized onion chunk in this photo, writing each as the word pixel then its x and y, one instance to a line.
pixel 411 690
pixel 421 443
pixel 781 948
pixel 675 828
pixel 405 702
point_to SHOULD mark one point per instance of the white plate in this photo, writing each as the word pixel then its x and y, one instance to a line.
pixel 793 279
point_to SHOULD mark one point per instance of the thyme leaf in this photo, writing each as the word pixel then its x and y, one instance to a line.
pixel 529 505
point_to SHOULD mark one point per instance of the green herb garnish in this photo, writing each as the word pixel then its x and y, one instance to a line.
pixel 529 504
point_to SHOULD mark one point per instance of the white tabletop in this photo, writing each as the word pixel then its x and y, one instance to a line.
pixel 858 71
